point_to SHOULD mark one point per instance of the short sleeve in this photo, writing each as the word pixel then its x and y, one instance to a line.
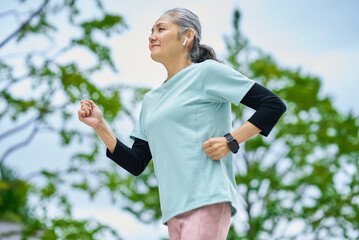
pixel 222 83
pixel 139 130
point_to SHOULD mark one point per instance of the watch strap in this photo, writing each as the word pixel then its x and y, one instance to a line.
pixel 229 137
pixel 232 143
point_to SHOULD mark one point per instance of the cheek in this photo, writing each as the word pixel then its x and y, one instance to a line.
pixel 173 47
pixel 169 40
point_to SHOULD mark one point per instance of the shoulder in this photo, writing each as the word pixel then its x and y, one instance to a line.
pixel 147 96
pixel 214 66
pixel 210 63
pixel 212 69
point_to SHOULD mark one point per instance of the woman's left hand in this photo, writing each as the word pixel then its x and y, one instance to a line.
pixel 216 148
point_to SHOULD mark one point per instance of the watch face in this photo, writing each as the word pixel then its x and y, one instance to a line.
pixel 233 145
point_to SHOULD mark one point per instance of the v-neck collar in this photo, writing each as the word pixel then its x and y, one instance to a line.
pixel 166 83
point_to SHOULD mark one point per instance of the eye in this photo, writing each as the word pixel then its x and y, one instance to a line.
pixel 161 29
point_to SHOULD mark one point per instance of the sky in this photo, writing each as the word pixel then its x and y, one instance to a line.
pixel 321 37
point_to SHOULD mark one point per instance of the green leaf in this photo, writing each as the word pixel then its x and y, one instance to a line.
pixel 108 25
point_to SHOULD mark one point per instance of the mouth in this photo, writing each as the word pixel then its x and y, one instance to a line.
pixel 154 46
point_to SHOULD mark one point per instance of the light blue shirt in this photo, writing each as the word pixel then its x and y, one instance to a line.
pixel 176 119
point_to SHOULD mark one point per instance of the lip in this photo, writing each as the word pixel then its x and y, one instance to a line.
pixel 154 46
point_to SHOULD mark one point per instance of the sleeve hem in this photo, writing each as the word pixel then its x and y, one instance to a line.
pixel 113 155
pixel 243 93
pixel 133 136
pixel 263 132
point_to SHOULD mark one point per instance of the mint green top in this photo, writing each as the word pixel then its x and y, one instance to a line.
pixel 176 119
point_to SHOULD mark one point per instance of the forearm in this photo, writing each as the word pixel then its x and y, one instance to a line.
pixel 133 160
pixel 106 135
pixel 217 148
pixel 245 132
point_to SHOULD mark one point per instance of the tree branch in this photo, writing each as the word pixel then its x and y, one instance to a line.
pixel 59 173
pixel 11 233
pixel 24 24
pixel 21 54
pixel 19 145
pixel 18 128
pixel 14 80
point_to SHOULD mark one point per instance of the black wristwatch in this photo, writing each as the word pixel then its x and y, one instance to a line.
pixel 232 143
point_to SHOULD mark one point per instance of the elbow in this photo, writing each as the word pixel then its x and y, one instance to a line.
pixel 137 173
pixel 283 107
pixel 279 106
pixel 141 164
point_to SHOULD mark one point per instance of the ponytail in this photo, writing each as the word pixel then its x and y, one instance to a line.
pixel 200 52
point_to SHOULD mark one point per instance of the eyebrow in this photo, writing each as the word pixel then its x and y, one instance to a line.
pixel 160 23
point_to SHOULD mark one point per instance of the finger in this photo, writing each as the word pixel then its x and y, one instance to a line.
pixel 87 103
pixel 93 104
pixel 83 101
pixel 216 146
pixel 221 153
pixel 210 149
pixel 217 155
pixel 213 157
pixel 81 114
pixel 86 110
pixel 84 106
pixel 208 143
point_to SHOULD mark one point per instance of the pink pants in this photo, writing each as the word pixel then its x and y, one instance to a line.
pixel 210 222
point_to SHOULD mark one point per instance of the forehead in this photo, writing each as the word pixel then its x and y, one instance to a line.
pixel 164 20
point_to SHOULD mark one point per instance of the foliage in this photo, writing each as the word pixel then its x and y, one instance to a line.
pixel 13 197
pixel 306 171
pixel 55 87
pixel 304 174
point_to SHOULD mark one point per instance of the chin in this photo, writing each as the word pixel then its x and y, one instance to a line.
pixel 156 58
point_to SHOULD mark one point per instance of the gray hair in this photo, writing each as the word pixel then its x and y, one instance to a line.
pixel 186 19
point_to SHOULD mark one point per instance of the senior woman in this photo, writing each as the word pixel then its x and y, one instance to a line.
pixel 185 127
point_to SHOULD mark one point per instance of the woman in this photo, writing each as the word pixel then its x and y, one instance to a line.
pixel 185 126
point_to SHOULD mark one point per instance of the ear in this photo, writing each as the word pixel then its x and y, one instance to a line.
pixel 190 34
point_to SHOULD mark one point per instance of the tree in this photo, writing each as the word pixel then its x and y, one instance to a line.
pixel 56 87
pixel 306 172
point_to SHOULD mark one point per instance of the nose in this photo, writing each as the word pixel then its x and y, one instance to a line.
pixel 152 38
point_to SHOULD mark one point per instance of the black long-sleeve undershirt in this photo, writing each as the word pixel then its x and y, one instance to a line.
pixel 134 159
pixel 269 108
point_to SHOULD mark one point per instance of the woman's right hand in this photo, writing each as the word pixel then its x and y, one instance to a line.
pixel 90 114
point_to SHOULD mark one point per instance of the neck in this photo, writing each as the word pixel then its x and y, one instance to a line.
pixel 175 66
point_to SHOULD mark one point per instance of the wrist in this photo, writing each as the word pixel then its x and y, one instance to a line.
pixel 100 126
pixel 232 143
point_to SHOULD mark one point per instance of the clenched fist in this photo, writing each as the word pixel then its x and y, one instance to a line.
pixel 216 148
pixel 90 114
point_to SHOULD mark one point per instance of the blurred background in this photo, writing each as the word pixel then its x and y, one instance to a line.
pixel 56 182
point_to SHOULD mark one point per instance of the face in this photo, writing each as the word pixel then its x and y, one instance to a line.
pixel 163 41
